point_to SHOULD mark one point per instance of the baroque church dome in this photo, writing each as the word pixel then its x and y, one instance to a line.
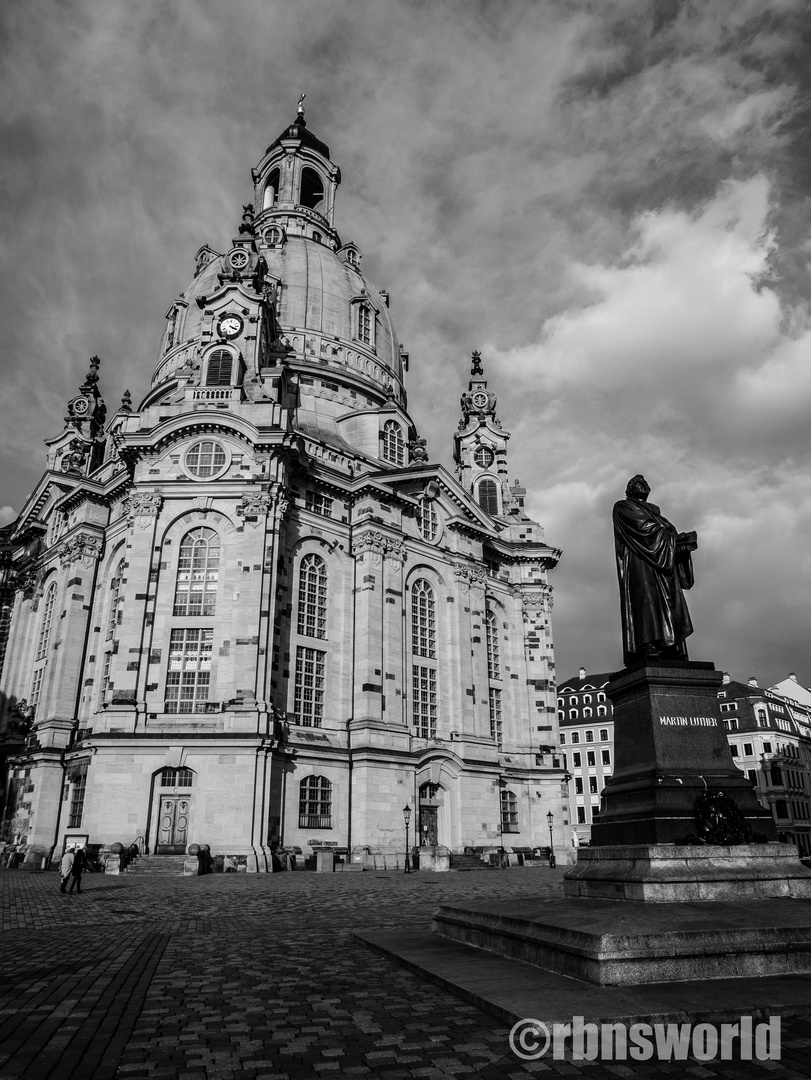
pixel 303 290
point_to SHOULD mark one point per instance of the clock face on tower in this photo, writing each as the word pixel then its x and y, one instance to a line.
pixel 229 326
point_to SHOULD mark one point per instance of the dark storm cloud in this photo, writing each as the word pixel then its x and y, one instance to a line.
pixel 610 198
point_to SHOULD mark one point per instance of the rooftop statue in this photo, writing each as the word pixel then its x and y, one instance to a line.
pixel 654 566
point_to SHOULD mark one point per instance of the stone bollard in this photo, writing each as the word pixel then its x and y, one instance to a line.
pixel 325 862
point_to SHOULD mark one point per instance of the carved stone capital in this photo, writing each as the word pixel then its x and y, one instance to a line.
pixel 396 552
pixel 474 577
pixel 142 506
pixel 538 598
pixel 83 548
pixel 254 506
pixel 372 543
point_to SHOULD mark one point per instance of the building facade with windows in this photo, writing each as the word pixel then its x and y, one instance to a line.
pixel 769 734
pixel 249 611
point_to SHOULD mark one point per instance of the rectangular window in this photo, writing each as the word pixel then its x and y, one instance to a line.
pixel 308 702
pixel 603 734
pixel 318 503
pixel 509 812
pixel 563 738
pixel 593 785
pixel 36 686
pixel 575 736
pixel 590 757
pixel 424 703
pixel 189 674
pixel 578 785
pixel 747 749
pixel 78 785
pixel 106 685
pixel 589 736
pixel 733 750
pixel 581 815
pixel 752 774
pixel 495 715
pixel 606 755
pixel 364 324
pixel 576 760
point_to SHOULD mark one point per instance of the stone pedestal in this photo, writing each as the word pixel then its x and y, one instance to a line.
pixel 669 748
pixel 648 844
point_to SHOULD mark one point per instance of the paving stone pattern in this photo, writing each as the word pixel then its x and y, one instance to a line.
pixel 256 976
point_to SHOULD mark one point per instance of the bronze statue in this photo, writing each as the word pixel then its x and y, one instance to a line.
pixel 654 566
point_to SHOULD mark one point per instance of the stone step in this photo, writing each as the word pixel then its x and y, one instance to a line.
pixel 158 865
pixel 468 862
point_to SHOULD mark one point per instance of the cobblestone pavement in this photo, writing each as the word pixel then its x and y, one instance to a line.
pixel 256 976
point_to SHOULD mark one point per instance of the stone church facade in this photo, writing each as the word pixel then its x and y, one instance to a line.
pixel 250 612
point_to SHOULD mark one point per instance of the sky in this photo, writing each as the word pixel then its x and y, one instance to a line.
pixel 610 199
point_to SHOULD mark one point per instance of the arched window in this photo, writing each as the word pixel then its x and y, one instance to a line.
pixel 488 496
pixel 509 812
pixel 113 621
pixel 423 619
pixel 393 444
pixel 424 704
pixel 218 371
pixel 494 675
pixel 311 192
pixel 198 571
pixel 491 627
pixel 41 655
pixel 115 597
pixel 47 621
pixel 271 196
pixel 312 597
pixel 315 803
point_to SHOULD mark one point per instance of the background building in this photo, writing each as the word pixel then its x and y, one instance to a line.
pixel 250 612
pixel 769 733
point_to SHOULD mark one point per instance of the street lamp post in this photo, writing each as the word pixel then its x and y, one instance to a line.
pixel 407 820
pixel 549 820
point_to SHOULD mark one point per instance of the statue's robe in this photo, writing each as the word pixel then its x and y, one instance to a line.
pixel 652 575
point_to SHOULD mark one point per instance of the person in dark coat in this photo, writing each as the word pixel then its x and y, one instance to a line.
pixel 654 566
pixel 78 868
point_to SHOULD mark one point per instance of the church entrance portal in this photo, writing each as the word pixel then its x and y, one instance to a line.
pixel 173 828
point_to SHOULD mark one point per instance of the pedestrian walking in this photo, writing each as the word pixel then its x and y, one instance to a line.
pixel 77 869
pixel 65 867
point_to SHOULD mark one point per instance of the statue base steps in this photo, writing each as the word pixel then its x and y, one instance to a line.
pixel 673 873
pixel 607 943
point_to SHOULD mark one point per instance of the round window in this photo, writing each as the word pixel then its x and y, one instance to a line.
pixel 238 259
pixel 480 399
pixel 484 457
pixel 206 459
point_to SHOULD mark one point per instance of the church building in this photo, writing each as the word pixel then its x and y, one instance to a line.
pixel 249 611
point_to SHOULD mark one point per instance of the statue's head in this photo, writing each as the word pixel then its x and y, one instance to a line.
pixel 637 488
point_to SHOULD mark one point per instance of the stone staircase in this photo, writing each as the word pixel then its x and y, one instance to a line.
pixel 468 862
pixel 157 866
